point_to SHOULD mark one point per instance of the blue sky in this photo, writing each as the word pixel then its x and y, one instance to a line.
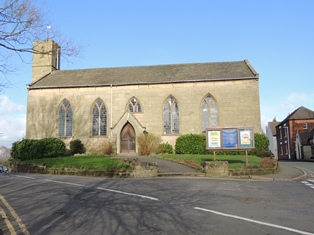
pixel 277 37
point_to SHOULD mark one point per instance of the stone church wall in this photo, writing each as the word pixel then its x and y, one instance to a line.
pixel 237 102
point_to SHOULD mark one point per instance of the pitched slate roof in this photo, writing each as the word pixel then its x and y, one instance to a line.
pixel 300 114
pixel 147 75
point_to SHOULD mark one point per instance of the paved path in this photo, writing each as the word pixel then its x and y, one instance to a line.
pixel 166 167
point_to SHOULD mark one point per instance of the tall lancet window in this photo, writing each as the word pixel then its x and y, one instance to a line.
pixel 65 119
pixel 134 105
pixel 209 113
pixel 99 123
pixel 171 116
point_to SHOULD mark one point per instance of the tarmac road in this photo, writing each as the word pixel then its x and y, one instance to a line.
pixel 63 205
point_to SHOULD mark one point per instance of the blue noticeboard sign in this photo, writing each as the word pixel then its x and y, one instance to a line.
pixel 230 138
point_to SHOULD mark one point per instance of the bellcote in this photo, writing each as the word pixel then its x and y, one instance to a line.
pixel 46 59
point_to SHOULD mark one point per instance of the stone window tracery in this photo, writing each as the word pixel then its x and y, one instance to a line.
pixel 65 119
pixel 99 122
pixel 171 116
pixel 209 113
pixel 134 106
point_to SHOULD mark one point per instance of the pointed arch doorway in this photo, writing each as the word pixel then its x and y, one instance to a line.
pixel 127 139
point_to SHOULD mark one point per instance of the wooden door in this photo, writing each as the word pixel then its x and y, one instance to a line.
pixel 127 139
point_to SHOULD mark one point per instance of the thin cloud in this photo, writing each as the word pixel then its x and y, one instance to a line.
pixel 7 106
pixel 286 106
pixel 295 100
pixel 12 121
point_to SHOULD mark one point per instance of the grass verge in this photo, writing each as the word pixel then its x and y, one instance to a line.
pixel 97 162
pixel 234 161
pixel 91 162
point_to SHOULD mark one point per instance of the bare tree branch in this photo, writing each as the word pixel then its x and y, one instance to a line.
pixel 22 23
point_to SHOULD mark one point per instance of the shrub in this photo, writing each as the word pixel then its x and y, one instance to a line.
pixel 28 149
pixel 105 148
pixel 148 143
pixel 261 144
pixel 191 144
pixel 53 147
pixel 166 148
pixel 264 153
pixel 23 150
pixel 76 146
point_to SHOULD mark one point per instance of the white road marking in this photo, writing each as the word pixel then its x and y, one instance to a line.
pixel 61 182
pixel 27 177
pixel 255 221
pixel 309 183
pixel 131 194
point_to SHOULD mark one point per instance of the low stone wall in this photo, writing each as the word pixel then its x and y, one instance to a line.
pixel 138 170
pixel 216 168
pixel 144 169
pixel 220 169
pixel 253 171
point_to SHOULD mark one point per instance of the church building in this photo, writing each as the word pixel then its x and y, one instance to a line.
pixel 115 105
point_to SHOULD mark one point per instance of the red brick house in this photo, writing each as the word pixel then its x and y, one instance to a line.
pixel 301 120
pixel 304 145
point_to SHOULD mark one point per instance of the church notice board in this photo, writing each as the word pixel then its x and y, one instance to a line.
pixel 230 138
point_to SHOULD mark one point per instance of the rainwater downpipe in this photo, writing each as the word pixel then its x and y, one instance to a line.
pixel 288 141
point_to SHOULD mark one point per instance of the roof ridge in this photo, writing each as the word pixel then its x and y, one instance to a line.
pixel 163 65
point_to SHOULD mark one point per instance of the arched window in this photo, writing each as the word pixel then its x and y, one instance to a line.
pixel 171 116
pixel 209 113
pixel 65 119
pixel 134 105
pixel 99 126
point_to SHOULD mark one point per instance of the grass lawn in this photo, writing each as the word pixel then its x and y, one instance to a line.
pixel 234 161
pixel 107 163
pixel 82 162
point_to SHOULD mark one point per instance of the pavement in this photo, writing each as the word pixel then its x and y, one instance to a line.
pixel 169 168
pixel 285 173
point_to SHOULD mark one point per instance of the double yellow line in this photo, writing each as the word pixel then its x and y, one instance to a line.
pixel 15 216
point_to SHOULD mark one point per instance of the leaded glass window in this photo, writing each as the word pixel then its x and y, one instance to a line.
pixel 209 113
pixel 134 106
pixel 99 119
pixel 65 119
pixel 171 116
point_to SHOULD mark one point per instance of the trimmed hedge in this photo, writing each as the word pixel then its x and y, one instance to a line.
pixel 28 149
pixel 196 144
pixel 261 145
pixel 191 144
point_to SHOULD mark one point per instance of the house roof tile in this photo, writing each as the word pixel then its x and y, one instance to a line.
pixel 300 113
